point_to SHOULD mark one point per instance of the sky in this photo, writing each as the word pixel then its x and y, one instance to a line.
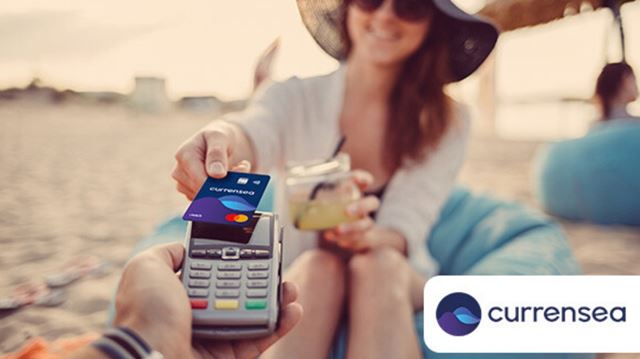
pixel 205 47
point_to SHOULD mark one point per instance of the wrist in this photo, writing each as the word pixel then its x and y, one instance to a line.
pixel 395 240
pixel 121 343
pixel 167 342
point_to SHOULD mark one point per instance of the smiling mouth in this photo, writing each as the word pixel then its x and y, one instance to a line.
pixel 383 35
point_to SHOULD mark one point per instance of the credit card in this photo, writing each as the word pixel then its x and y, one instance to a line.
pixel 231 200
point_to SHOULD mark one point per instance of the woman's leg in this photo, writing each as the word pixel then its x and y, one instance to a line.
pixel 382 300
pixel 417 289
pixel 320 276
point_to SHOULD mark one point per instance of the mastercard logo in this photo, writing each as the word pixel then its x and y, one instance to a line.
pixel 238 218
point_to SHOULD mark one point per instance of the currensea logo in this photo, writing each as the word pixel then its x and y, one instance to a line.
pixel 532 314
pixel 458 314
pixel 560 314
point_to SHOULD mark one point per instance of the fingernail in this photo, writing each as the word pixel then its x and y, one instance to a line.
pixel 216 168
pixel 245 165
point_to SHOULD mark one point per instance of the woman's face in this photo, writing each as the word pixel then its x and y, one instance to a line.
pixel 628 89
pixel 381 37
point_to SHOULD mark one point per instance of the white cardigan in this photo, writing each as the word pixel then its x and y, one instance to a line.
pixel 298 119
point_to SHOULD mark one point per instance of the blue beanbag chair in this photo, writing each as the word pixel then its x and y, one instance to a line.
pixel 474 235
pixel 595 178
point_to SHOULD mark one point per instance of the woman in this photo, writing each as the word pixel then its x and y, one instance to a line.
pixel 404 135
pixel 615 89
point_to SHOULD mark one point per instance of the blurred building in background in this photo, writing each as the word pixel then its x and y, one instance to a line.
pixel 150 94
pixel 204 104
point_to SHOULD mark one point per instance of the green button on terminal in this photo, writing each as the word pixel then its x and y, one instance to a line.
pixel 255 304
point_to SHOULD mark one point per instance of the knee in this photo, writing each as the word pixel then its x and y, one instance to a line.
pixel 322 263
pixel 377 261
pixel 318 268
pixel 380 267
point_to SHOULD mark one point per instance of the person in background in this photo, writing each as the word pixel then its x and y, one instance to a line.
pixel 615 89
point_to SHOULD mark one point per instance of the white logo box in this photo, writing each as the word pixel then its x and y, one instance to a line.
pixel 541 336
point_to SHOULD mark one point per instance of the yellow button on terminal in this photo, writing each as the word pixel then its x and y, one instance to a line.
pixel 227 304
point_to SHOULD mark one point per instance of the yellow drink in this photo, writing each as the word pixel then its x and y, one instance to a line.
pixel 318 193
pixel 319 214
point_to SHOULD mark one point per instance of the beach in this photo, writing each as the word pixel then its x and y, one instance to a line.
pixel 82 179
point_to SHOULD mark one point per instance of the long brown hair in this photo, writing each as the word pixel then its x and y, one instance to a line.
pixel 420 112
pixel 608 85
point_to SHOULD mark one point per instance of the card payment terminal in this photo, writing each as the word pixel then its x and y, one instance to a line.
pixel 232 275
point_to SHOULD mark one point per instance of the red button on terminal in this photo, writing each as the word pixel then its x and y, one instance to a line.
pixel 198 304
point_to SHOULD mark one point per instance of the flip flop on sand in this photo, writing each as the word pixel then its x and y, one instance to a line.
pixel 51 298
pixel 11 303
pixel 77 268
pixel 32 293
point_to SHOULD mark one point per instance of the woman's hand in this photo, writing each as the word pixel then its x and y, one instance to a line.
pixel 212 151
pixel 363 234
pixel 363 240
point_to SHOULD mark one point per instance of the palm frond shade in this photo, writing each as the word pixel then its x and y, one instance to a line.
pixel 514 14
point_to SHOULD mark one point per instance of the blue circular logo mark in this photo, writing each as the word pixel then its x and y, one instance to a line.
pixel 458 314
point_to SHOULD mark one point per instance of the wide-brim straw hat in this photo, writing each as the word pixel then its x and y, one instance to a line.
pixel 471 38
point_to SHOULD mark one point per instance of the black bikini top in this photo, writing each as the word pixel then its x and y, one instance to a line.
pixel 379 193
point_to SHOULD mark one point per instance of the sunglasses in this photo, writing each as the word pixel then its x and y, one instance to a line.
pixel 410 10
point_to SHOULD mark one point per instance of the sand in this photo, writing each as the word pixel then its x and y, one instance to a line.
pixel 93 179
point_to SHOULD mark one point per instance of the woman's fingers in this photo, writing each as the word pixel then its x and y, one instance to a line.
pixel 362 179
pixel 330 235
pixel 184 182
pixel 242 166
pixel 363 207
pixel 358 226
pixel 352 236
pixel 205 154
pixel 189 168
pixel 355 243
pixel 218 152
pixel 348 234
pixel 190 187
pixel 187 192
